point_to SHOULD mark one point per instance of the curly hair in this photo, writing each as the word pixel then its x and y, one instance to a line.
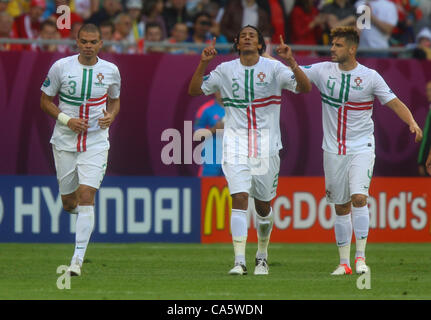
pixel 349 33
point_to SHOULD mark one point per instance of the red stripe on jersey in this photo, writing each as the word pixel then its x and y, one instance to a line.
pixel 344 130
pixel 266 104
pixel 267 98
pixel 255 131
pixel 78 145
pixel 339 130
pixel 84 140
pixel 95 104
pixel 359 103
pixel 359 108
pixel 97 99
pixel 249 132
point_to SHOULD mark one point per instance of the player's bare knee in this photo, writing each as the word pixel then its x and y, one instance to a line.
pixel 263 208
pixel 240 200
pixel 359 200
pixel 342 209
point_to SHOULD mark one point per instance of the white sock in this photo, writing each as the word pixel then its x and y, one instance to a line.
pixel 361 225
pixel 84 228
pixel 238 225
pixel 343 236
pixel 264 228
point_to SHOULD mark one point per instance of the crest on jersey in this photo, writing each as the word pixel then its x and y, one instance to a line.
pixel 261 77
pixel 358 81
pixel 100 78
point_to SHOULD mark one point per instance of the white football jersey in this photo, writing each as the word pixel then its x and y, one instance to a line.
pixel 347 105
pixel 251 96
pixel 83 91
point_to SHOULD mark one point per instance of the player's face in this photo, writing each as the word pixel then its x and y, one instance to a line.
pixel 249 41
pixel 341 51
pixel 89 44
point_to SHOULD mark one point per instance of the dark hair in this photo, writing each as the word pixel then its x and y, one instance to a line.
pixel 261 40
pixel 89 27
pixel 349 33
pixel 152 25
pixel 201 14
pixel 148 6
pixel 48 23
pixel 108 23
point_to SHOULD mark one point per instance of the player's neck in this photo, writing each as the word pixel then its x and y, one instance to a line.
pixel 87 61
pixel 249 59
pixel 348 65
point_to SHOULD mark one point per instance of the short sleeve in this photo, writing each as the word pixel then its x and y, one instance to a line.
pixel 382 90
pixel 286 78
pixel 212 82
pixel 115 86
pixel 312 72
pixel 51 84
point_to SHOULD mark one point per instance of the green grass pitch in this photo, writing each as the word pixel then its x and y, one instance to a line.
pixel 199 271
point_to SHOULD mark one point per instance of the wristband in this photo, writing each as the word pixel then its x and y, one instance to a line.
pixel 63 118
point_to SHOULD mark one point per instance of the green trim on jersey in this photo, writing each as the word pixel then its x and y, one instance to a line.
pixel 344 91
pixel 78 101
pixel 248 93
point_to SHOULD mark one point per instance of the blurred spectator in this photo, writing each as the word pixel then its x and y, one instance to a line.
pixel 210 116
pixel 408 15
pixel 6 22
pixel 425 6
pixel 108 12
pixel 384 18
pixel 48 31
pixel 73 35
pixel 239 13
pixel 336 14
pixel 3 5
pixel 216 12
pixel 107 30
pixel 176 13
pixel 154 33
pixel 306 25
pixel 426 141
pixel 18 7
pixel 84 8
pixel 123 32
pixel 201 31
pixel 152 13
pixel 134 8
pixel 278 20
pixel 28 24
pixel 422 49
pixel 74 17
pixel 180 33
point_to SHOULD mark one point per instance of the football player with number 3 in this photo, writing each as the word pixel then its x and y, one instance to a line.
pixel 250 88
pixel 347 90
pixel 89 100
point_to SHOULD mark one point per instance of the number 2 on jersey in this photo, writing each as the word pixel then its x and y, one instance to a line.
pixel 235 88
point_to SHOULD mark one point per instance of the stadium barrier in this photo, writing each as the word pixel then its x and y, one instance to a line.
pixel 154 97
pixel 181 209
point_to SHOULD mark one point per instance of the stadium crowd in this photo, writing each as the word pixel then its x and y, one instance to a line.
pixel 399 23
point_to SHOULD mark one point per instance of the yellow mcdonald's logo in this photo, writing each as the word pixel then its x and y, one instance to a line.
pixel 219 199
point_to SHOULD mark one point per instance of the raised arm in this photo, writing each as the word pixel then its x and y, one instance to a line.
pixel 207 55
pixel 303 83
pixel 48 106
pixel 404 114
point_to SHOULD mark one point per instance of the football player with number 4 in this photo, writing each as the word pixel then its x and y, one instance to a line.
pixel 347 89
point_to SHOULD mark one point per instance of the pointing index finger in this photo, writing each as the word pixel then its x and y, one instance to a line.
pixel 213 41
pixel 281 40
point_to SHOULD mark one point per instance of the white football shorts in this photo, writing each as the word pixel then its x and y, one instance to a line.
pixel 75 168
pixel 346 175
pixel 256 176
